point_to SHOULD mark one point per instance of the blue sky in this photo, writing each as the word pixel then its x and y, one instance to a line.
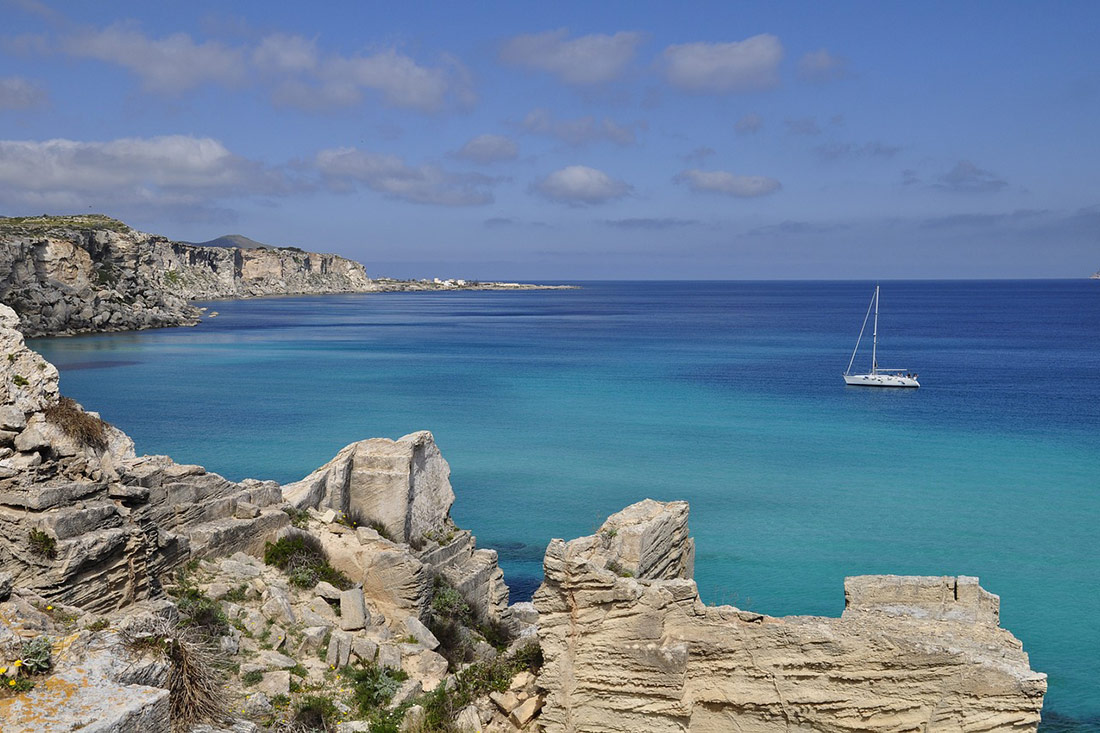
pixel 572 140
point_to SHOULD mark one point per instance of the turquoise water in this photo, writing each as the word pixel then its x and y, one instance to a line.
pixel 558 408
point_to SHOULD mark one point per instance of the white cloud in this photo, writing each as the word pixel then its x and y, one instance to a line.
pixel 281 52
pixel 592 59
pixel 298 74
pixel 19 93
pixel 340 81
pixel 175 173
pixel 822 66
pixel 727 183
pixel 168 65
pixel 749 124
pixel 581 130
pixel 345 168
pixel 579 185
pixel 737 66
pixel 488 149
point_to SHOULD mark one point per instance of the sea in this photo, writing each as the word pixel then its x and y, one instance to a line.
pixel 556 408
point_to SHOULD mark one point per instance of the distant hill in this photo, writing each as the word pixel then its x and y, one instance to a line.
pixel 233 240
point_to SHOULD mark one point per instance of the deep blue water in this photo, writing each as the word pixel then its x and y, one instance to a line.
pixel 557 408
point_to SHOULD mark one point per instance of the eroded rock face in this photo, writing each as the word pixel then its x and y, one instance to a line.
pixel 644 653
pixel 403 487
pixel 74 280
pixel 91 524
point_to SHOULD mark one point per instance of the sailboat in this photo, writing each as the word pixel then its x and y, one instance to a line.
pixel 877 377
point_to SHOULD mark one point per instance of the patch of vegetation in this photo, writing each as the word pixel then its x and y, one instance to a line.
pixel 304 561
pixel 619 570
pixel 196 691
pixel 36 656
pixel 198 610
pixel 20 684
pixel 42 544
pixel 252 678
pixel 87 430
pixel 99 624
pixel 453 621
pixel 442 705
pixel 44 223
pixel 238 594
pixel 298 517
pixel 374 686
pixel 172 277
pixel 19 380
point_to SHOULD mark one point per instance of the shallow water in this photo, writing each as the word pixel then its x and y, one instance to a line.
pixel 558 408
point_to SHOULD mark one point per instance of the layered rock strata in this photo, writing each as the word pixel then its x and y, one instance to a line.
pixel 629 646
pixel 399 491
pixel 82 519
pixel 68 275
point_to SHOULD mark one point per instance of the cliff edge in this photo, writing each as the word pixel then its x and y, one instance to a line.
pixel 629 646
pixel 78 274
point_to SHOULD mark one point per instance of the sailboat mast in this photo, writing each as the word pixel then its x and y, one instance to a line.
pixel 874 341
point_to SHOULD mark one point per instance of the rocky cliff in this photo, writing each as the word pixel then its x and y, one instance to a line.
pixel 77 274
pixel 629 646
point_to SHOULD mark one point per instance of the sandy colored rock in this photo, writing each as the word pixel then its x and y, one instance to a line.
pixel 644 653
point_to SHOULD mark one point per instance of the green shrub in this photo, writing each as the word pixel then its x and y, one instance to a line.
pixel 37 655
pixel 304 561
pixel 20 380
pixel 198 610
pixel 374 686
pixel 43 544
pixel 252 678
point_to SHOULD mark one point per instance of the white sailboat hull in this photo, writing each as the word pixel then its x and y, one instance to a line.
pixel 880 380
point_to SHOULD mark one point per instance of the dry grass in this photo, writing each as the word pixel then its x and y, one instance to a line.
pixel 87 430
pixel 196 692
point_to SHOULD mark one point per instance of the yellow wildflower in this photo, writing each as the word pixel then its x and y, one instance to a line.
pixel 18 662
pixel 3 670
pixel 11 682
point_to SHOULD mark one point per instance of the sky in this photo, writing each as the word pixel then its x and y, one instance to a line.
pixel 572 141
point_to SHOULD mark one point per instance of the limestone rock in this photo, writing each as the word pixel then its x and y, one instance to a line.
pixel 77 276
pixel 353 610
pixel 274 683
pixel 422 633
pixel 643 653
pixel 403 487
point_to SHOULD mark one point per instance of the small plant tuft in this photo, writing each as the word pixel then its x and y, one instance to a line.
pixel 20 380
pixel 252 678
pixel 43 544
pixel 87 430
pixel 37 656
pixel 298 517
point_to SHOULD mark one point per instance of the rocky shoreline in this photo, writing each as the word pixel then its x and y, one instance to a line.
pixel 90 273
pixel 139 594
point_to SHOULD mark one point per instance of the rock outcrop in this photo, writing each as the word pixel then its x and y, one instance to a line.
pixel 629 646
pixel 398 492
pixel 68 275
pixel 86 522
